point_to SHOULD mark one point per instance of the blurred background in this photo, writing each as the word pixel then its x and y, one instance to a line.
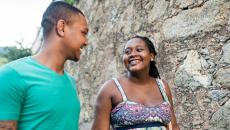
pixel 192 38
pixel 20 25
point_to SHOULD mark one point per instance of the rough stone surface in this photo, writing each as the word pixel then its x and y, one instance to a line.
pixel 190 22
pixel 193 43
pixel 220 120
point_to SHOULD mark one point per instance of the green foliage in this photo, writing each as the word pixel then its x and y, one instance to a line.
pixel 71 2
pixel 13 53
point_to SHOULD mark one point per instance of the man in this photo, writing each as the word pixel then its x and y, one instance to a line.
pixel 35 92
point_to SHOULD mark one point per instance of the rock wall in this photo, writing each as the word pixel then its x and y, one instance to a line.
pixel 193 43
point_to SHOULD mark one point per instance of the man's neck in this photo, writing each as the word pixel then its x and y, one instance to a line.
pixel 52 58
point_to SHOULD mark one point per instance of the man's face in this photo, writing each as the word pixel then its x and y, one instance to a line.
pixel 76 37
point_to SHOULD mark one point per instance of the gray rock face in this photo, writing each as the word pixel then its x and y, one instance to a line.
pixel 219 119
pixel 200 19
pixel 193 43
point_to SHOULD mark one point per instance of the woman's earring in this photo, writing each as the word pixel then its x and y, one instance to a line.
pixel 151 59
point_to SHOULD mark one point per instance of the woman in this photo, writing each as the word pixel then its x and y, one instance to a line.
pixel 138 100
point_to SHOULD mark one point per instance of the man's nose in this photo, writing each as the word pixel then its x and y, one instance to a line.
pixel 86 42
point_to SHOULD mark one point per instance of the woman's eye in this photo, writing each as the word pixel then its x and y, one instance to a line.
pixel 139 49
pixel 127 52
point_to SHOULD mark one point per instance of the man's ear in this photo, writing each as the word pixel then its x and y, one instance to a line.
pixel 60 27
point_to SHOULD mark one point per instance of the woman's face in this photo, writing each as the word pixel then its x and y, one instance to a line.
pixel 136 55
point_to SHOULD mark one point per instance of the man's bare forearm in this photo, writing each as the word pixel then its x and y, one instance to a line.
pixel 8 125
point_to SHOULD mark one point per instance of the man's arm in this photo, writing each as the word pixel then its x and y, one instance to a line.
pixel 11 98
pixel 8 125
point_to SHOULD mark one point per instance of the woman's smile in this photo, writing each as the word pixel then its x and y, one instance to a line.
pixel 134 61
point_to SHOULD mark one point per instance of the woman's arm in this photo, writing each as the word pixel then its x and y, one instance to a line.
pixel 103 108
pixel 174 125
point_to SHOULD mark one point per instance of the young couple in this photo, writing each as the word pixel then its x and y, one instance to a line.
pixel 37 94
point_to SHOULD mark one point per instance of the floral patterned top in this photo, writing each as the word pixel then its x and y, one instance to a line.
pixel 129 115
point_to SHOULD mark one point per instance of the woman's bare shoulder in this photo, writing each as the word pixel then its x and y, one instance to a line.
pixel 107 88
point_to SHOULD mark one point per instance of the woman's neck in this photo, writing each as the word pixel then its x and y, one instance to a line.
pixel 139 77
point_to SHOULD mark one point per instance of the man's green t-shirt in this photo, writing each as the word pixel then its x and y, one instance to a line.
pixel 37 97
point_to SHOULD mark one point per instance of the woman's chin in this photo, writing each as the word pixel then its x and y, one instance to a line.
pixel 134 70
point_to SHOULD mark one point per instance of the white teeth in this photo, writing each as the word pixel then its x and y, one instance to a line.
pixel 134 61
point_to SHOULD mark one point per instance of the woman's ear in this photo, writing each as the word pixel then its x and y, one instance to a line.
pixel 60 27
pixel 152 57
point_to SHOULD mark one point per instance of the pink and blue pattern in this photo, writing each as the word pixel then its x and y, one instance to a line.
pixel 129 115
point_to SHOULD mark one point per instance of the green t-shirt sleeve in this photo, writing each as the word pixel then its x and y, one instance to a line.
pixel 11 94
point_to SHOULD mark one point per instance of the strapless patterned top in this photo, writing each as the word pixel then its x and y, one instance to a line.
pixel 129 115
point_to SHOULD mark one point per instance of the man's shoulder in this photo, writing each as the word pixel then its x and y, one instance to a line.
pixel 17 62
pixel 14 66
